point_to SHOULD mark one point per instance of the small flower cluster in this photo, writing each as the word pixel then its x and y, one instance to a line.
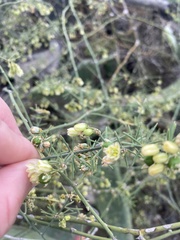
pixel 39 172
pixel 84 160
pixel 14 70
pixel 82 130
pixel 112 154
pixel 63 222
pixel 159 161
pixel 38 141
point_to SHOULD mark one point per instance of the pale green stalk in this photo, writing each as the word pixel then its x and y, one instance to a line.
pixel 65 125
pixel 89 207
pixel 104 90
pixel 25 119
pixel 69 45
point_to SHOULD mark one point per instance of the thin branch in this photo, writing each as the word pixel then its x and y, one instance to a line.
pixel 129 53
pixel 63 18
pixel 89 207
pixel 104 90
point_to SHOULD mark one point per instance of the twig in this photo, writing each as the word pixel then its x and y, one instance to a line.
pixel 170 233
pixel 89 207
pixel 75 152
pixel 135 232
pixel 68 41
pixel 18 98
pixel 129 53
pixel 104 90
pixel 17 109
pixel 71 230
pixel 87 113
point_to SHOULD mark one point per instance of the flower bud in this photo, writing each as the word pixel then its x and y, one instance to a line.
pixel 97 131
pixel 36 169
pixel 72 132
pixel 80 127
pixel 155 169
pixel 14 69
pixel 149 150
pixel 160 158
pixel 44 166
pixel 170 147
pixel 44 178
pixel 35 130
pixel 88 132
pixel 46 144
pixel 36 141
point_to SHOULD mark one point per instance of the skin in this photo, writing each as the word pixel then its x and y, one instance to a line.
pixel 15 153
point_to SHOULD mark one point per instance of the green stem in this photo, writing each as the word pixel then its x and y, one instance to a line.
pixel 88 206
pixel 18 109
pixel 88 113
pixel 63 18
pixel 135 232
pixel 27 119
pixel 75 152
pixel 169 234
pixel 104 90
pixel 71 230
pixel 27 220
pixel 76 220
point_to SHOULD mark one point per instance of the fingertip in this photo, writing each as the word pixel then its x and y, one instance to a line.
pixel 16 148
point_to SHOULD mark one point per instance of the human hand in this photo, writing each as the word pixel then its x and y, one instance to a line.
pixel 15 150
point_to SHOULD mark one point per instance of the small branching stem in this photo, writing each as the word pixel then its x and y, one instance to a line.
pixel 26 120
pixel 65 154
pixel 134 232
pixel 99 75
pixel 89 207
pixel 65 125
pixel 69 45
pixel 18 109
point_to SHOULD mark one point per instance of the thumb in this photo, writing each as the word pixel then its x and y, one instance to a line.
pixel 14 147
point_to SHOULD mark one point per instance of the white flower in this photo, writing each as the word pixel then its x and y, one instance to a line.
pixel 72 132
pixel 112 154
pixel 36 169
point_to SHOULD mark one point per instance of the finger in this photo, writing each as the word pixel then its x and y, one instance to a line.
pixel 7 117
pixel 14 185
pixel 14 148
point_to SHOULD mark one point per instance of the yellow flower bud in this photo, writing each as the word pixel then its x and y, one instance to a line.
pixel 149 150
pixel 156 169
pixel 160 158
pixel 44 166
pixel 88 132
pixel 67 217
pixel 80 127
pixel 170 147
pixel 14 69
pixel 72 132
